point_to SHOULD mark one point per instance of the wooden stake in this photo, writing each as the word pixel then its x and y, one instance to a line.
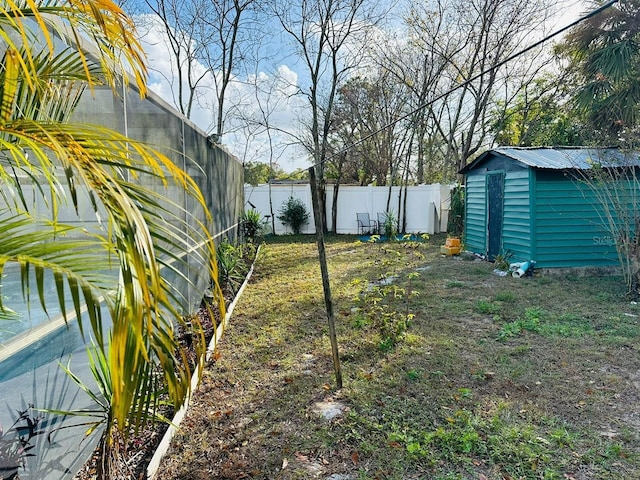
pixel 328 301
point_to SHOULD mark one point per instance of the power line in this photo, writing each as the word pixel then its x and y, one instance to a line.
pixel 470 80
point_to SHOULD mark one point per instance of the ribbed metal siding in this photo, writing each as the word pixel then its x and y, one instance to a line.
pixel 516 229
pixel 569 231
pixel 475 224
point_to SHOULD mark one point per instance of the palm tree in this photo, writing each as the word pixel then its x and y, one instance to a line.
pixel 604 53
pixel 41 81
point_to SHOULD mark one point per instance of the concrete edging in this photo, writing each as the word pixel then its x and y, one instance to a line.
pixel 163 446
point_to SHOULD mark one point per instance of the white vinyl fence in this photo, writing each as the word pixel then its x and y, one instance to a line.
pixel 427 205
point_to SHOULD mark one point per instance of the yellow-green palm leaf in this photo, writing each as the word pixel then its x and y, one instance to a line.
pixel 29 24
pixel 142 231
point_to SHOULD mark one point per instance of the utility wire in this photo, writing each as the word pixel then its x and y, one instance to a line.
pixel 470 80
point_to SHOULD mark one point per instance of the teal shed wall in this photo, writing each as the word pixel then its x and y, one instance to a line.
pixel 569 231
pixel 516 208
pixel 518 215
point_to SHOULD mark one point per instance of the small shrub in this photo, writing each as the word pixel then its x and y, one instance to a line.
pixel 294 214
pixel 390 225
pixel 232 268
pixel 377 309
pixel 251 224
pixel 503 261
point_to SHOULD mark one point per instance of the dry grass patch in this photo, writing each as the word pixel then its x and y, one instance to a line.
pixel 450 372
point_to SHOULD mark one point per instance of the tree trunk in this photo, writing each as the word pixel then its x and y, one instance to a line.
pixel 334 207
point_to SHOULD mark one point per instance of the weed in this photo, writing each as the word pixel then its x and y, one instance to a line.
pixel 464 393
pixel 504 296
pixel 530 323
pixel 413 375
pixel 562 437
pixel 520 448
pixel 502 261
pixel 360 321
pixel 486 307
pixel 567 325
pixel 380 306
pixel 604 297
pixel 449 476
pixel 390 225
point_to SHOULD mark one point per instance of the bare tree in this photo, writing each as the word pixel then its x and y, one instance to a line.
pixel 612 185
pixel 330 37
pixel 366 123
pixel 460 48
pixel 178 21
pixel 417 63
pixel 370 142
pixel 226 29
pixel 208 42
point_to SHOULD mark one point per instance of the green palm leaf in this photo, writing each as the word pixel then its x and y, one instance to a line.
pixel 142 231
pixel 111 32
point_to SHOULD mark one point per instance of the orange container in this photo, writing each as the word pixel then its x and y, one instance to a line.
pixel 445 250
pixel 453 242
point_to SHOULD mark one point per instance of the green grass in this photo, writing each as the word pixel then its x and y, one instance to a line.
pixel 450 372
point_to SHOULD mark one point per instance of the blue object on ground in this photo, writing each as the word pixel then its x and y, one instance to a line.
pixel 412 237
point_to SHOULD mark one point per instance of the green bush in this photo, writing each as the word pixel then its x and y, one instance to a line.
pixel 294 214
pixel 456 212
pixel 252 227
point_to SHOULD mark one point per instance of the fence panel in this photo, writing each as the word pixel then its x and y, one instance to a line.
pixel 426 212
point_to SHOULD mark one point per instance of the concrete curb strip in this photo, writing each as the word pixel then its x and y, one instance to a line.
pixel 163 446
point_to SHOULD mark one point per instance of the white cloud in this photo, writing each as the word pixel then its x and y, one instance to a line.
pixel 569 11
pixel 276 94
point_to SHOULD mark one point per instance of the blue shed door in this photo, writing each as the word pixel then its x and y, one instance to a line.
pixel 495 202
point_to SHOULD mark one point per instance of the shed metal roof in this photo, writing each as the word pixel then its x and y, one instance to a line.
pixel 562 158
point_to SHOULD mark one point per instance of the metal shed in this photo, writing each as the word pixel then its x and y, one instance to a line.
pixel 533 204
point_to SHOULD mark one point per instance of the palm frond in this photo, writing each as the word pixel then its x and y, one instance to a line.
pixel 80 265
pixel 102 22
pixel 614 62
pixel 61 163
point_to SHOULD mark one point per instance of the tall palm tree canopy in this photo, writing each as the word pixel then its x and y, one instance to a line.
pixel 605 52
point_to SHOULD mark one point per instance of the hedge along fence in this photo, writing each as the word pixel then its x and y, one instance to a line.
pixel 427 205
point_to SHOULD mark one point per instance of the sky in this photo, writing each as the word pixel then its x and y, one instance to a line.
pixel 281 81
